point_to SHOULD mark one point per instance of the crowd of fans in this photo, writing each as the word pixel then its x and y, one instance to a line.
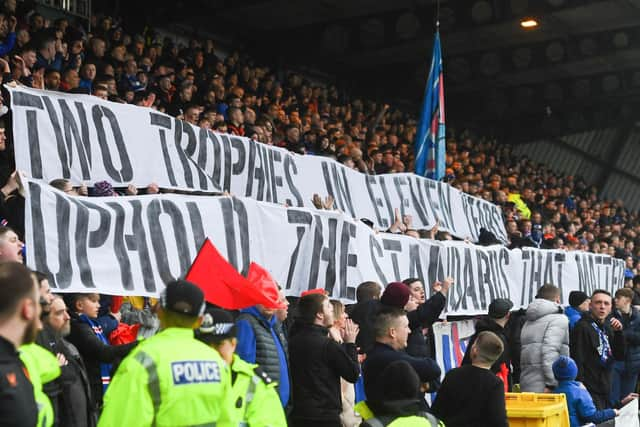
pixel 302 367
pixel 234 94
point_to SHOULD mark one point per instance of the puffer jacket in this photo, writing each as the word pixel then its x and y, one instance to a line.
pixel 544 337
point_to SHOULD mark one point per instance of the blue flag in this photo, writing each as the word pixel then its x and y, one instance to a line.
pixel 430 136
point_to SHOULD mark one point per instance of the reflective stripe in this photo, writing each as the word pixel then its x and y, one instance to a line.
pixel 204 425
pixel 374 422
pixel 251 391
pixel 153 382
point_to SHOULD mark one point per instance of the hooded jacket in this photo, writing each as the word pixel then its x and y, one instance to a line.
pixel 544 337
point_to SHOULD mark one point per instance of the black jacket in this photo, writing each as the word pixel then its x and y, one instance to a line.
pixel 584 343
pixel 471 397
pixel 631 332
pixel 94 352
pixel 18 406
pixel 70 393
pixel 424 316
pixel 380 357
pixel 364 313
pixel 488 324
pixel 317 364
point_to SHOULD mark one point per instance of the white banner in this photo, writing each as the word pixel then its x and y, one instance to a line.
pixel 133 245
pixel 86 139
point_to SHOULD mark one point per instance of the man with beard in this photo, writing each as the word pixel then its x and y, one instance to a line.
pixel 70 394
pixel 19 324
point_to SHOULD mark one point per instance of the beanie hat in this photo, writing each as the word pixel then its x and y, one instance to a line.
pixel 401 381
pixel 396 294
pixel 564 368
pixel 577 297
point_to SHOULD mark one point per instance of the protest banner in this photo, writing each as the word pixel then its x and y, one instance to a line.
pixel 86 139
pixel 134 245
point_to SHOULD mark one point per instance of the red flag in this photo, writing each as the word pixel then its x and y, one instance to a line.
pixel 264 285
pixel 225 287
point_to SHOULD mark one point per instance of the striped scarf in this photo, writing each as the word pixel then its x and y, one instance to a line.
pixel 105 368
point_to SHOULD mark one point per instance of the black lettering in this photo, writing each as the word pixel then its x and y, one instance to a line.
pixel 125 174
pixel 291 169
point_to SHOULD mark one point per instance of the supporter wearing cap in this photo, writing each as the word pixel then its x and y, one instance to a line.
pixel 496 321
pixel 171 378
pixel 578 305
pixel 318 363
pixel 253 394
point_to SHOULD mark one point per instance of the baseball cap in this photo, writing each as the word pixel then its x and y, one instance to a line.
pixel 183 297
pixel 499 308
pixel 217 325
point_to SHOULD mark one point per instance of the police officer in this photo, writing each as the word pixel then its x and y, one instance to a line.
pixel 171 379
pixel 255 400
pixel 19 324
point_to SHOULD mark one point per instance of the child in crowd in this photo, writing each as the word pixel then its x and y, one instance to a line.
pixel 93 345
pixel 581 407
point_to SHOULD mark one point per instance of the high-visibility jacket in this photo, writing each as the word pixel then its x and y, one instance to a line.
pixel 255 398
pixel 42 367
pixel 422 419
pixel 170 379
pixel 516 198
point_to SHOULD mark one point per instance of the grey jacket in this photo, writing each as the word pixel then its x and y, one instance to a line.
pixel 544 337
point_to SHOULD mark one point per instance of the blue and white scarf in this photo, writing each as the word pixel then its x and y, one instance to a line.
pixel 604 349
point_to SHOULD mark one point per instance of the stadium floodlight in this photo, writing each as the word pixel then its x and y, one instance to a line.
pixel 528 23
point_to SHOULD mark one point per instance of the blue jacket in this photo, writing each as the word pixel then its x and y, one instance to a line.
pixel 580 404
pixel 573 314
pixel 246 349
pixel 8 44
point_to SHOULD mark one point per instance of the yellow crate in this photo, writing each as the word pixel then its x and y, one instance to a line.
pixel 537 410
